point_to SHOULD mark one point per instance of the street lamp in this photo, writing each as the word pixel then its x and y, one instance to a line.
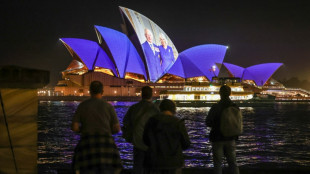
pixel 213 68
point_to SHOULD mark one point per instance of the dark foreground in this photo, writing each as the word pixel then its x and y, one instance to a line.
pixel 225 171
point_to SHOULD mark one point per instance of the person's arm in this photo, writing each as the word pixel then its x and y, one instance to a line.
pixel 185 141
pixel 115 126
pixel 127 120
pixel 210 117
pixel 75 127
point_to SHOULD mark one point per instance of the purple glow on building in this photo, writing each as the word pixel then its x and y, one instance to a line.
pixel 123 52
pixel 199 61
pixel 260 73
pixel 89 53
pixel 117 53
pixel 235 70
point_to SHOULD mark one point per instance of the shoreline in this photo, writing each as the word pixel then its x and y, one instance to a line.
pixel 252 103
pixel 82 98
pixel 243 170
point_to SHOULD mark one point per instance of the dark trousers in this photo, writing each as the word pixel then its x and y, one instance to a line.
pixel 227 149
pixel 138 159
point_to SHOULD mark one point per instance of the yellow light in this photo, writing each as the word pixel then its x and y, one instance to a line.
pixel 212 88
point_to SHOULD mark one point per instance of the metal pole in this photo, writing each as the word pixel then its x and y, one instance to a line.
pixel 8 131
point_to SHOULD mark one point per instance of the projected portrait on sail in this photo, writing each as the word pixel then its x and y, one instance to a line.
pixel 159 51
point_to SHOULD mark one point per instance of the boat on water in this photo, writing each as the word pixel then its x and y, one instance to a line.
pixel 203 94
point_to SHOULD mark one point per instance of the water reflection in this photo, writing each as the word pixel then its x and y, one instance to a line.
pixel 277 136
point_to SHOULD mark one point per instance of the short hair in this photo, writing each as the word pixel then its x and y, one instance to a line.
pixel 147 92
pixel 167 105
pixel 225 91
pixel 147 30
pixel 162 36
pixel 96 87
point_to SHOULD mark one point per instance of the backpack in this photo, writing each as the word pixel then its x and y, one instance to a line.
pixel 231 122
pixel 136 115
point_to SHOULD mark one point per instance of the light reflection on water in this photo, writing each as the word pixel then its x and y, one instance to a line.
pixel 275 136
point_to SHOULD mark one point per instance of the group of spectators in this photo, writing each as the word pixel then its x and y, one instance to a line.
pixel 157 135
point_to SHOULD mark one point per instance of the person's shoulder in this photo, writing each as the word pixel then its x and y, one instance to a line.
pixel 166 118
pixel 215 105
pixel 155 118
pixel 105 103
pixel 215 108
pixel 85 102
pixel 177 120
pixel 145 43
pixel 137 105
pixel 154 107
pixel 234 105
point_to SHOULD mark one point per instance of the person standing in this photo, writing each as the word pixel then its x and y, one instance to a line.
pixel 166 53
pixel 133 126
pixel 166 136
pixel 221 145
pixel 96 120
pixel 151 52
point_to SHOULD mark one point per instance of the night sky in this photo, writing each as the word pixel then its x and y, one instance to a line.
pixel 263 31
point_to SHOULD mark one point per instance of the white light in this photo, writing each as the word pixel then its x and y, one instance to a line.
pixel 212 88
pixel 213 68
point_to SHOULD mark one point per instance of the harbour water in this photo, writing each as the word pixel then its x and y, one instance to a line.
pixel 274 136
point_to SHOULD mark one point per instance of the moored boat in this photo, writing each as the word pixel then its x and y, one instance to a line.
pixel 202 94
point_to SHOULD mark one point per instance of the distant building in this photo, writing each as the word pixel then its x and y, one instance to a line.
pixel 119 61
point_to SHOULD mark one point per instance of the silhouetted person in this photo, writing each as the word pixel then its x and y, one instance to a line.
pixel 221 145
pixel 133 124
pixel 166 136
pixel 96 120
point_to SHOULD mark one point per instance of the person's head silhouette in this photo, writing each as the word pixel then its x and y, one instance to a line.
pixel 225 91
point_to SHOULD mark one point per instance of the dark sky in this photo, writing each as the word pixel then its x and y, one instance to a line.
pixel 256 31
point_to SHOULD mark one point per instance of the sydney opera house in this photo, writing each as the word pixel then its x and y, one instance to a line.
pixel 142 54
